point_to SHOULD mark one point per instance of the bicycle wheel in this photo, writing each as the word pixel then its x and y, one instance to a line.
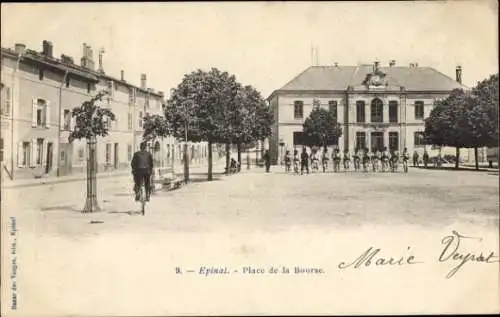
pixel 143 198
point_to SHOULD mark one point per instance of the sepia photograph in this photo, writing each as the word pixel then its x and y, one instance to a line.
pixel 249 158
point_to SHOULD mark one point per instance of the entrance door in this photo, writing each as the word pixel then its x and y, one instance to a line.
pixel 48 164
pixel 116 160
pixel 377 141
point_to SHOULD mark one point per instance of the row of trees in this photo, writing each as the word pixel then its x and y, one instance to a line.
pixel 212 106
pixel 206 106
pixel 466 119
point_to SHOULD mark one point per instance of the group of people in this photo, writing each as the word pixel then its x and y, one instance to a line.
pixel 383 161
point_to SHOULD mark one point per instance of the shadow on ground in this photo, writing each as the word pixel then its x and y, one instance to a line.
pixel 449 168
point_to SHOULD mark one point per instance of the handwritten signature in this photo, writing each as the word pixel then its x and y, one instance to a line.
pixel 452 252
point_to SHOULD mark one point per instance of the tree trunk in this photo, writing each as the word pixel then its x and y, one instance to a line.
pixel 457 156
pixel 476 157
pixel 91 199
pixel 228 156
pixel 248 159
pixel 239 156
pixel 210 177
pixel 186 163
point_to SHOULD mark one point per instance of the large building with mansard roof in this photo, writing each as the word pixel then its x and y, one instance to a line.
pixel 377 105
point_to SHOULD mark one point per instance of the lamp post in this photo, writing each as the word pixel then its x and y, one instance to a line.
pixel 186 163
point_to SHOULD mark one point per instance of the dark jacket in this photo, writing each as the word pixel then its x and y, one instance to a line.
pixel 142 160
pixel 304 157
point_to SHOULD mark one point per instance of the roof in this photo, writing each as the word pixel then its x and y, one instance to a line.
pixel 71 68
pixel 339 78
pixel 36 57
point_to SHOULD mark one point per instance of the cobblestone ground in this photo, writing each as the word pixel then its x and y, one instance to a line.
pixel 252 218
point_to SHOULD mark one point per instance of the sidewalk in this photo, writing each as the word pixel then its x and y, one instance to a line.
pixel 7 183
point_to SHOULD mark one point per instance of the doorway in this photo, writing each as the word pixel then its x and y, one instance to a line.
pixel 48 161
pixel 116 161
pixel 377 141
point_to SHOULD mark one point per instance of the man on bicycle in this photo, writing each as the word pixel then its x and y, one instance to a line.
pixel 142 168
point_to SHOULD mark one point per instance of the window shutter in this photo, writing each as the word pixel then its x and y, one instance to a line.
pixel 72 122
pixel 33 113
pixel 63 121
pixel 44 152
pixel 47 115
pixel 20 154
pixel 33 153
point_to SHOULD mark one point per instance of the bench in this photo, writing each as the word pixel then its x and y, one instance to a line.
pixel 166 178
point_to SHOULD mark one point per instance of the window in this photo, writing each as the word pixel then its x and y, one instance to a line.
pixel 298 110
pixel 360 111
pixel 419 110
pixel 1 149
pixel 316 103
pixel 108 153
pixel 67 81
pixel 332 107
pixel 67 119
pixel 41 113
pixel 418 139
pixel 40 74
pixel 129 121
pixel 6 100
pixel 81 154
pixel 140 119
pixel 298 138
pixel 129 152
pixel 393 141
pixel 360 140
pixel 26 154
pixel 377 110
pixel 39 152
pixel 393 111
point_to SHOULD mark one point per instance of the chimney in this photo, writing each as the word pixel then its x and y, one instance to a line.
pixel 375 65
pixel 392 63
pixel 143 81
pixel 90 58
pixel 458 74
pixel 122 75
pixel 84 55
pixel 19 48
pixel 47 48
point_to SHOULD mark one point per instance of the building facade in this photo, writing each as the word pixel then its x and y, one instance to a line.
pixel 39 93
pixel 377 106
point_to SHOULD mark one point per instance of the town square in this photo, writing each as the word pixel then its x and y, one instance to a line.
pixel 237 165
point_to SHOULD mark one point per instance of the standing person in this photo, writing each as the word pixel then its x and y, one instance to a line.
pixel 142 168
pixel 296 161
pixel 405 157
pixel 415 159
pixel 267 160
pixel 324 159
pixel 356 160
pixel 366 160
pixel 347 159
pixel 426 158
pixel 304 161
pixel 288 161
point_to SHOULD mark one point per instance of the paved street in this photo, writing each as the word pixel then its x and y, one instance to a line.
pixel 251 218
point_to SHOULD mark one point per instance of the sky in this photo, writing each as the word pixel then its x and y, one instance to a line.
pixel 263 44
